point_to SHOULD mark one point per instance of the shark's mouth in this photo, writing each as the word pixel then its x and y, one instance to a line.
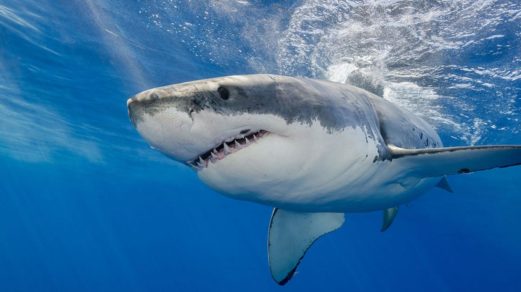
pixel 227 147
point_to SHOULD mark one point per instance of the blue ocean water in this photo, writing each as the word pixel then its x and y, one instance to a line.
pixel 86 205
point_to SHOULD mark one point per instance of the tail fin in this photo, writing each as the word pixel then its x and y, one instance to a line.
pixel 456 160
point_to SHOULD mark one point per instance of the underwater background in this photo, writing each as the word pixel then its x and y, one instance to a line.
pixel 86 205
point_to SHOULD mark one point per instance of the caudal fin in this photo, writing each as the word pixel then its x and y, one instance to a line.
pixel 456 160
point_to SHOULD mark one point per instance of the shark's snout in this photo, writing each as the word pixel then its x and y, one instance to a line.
pixel 144 102
pixel 135 109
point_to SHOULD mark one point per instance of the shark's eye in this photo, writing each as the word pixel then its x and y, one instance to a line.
pixel 153 96
pixel 223 92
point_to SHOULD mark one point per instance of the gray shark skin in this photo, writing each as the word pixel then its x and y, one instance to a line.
pixel 312 149
pixel 261 94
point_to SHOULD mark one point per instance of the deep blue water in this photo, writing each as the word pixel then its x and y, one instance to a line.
pixel 86 205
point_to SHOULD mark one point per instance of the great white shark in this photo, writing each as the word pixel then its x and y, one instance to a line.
pixel 312 149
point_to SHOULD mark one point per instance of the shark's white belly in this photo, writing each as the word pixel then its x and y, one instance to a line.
pixel 355 179
pixel 383 185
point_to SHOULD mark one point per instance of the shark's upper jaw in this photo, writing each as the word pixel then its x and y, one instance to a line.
pixel 200 139
pixel 229 146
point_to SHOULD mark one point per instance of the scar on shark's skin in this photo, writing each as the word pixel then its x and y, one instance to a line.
pixel 302 146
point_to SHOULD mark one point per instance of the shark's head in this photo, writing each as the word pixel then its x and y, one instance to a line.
pixel 245 134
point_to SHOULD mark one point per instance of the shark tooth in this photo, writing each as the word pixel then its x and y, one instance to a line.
pixel 226 149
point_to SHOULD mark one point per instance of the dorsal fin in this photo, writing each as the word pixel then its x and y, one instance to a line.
pixel 291 234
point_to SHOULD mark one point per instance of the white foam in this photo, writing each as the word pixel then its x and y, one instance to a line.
pixel 340 72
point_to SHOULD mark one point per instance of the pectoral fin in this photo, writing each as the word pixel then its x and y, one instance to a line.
pixel 434 162
pixel 389 215
pixel 290 236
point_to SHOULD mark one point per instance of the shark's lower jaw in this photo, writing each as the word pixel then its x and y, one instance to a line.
pixel 227 147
